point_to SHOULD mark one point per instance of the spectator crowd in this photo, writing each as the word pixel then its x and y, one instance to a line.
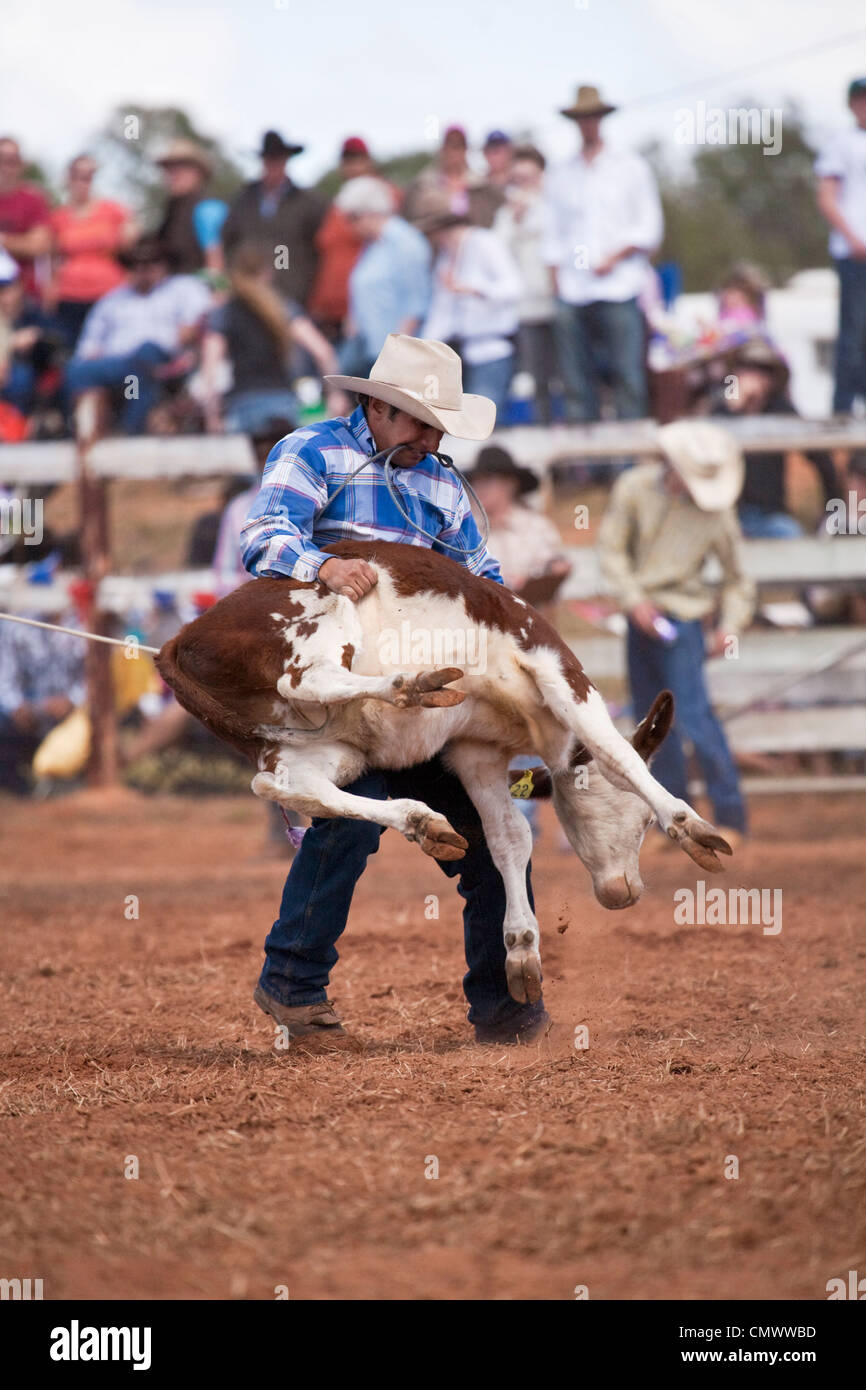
pixel 217 316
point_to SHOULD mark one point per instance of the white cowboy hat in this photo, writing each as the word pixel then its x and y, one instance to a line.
pixel 424 378
pixel 708 460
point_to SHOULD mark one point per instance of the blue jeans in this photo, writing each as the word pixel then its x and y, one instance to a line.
pixel 300 950
pixel 603 335
pixel 653 666
pixel 491 379
pixel 851 341
pixel 20 386
pixel 768 526
pixel 84 373
pixel 250 411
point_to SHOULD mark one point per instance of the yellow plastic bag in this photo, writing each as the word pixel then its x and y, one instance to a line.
pixel 64 751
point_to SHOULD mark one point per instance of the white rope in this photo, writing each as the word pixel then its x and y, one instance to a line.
pixel 74 632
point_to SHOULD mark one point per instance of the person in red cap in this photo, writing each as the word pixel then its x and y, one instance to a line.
pixel 339 246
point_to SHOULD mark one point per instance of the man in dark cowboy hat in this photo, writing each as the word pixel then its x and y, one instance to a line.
pixel 276 214
pixel 525 542
pixel 605 221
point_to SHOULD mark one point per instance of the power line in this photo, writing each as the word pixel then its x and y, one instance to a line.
pixel 652 99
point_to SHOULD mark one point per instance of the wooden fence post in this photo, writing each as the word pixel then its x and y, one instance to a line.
pixel 95 561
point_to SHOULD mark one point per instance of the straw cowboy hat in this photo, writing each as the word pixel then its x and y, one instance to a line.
pixel 186 152
pixel 707 459
pixel 424 378
pixel 589 103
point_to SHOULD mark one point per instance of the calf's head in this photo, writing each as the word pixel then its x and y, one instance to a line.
pixel 606 825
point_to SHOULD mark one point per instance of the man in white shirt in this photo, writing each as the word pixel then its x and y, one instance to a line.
pixel 603 221
pixel 136 329
pixel 841 171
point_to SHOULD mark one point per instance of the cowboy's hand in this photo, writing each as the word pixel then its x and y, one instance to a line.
pixel 352 578
pixel 717 643
pixel 644 615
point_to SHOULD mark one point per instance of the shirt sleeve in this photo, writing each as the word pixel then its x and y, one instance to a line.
pixel 554 240
pixel 615 535
pixel 646 227
pixel 502 278
pixel 277 536
pixel 464 533
pixel 738 590
pixel 11 684
pixel 830 163
pixel 207 219
pixel 94 331
pixel 194 299
pixel 416 274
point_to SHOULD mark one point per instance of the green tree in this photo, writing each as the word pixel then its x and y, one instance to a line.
pixel 133 136
pixel 735 203
pixel 400 169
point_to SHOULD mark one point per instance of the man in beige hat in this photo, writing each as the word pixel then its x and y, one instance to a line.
pixel 191 221
pixel 413 395
pixel 665 518
pixel 604 220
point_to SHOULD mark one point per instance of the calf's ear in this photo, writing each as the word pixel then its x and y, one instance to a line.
pixel 652 730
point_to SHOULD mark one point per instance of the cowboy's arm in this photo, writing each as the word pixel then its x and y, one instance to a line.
pixel 738 590
pixel 463 533
pixel 614 546
pixel 277 536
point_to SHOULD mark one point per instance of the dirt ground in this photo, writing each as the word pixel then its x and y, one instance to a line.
pixel 558 1167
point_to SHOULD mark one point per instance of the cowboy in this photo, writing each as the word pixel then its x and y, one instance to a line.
pixel 663 521
pixel 279 216
pixel 285 531
pixel 604 221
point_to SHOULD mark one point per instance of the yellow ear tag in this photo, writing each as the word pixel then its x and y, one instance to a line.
pixel 522 788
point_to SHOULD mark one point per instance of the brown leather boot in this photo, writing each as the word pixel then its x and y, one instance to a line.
pixel 302 1020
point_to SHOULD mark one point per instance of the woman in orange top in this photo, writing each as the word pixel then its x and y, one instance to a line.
pixel 88 233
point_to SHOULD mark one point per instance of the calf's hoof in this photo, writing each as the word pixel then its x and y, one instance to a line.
pixel 700 840
pixel 523 968
pixel 426 689
pixel 436 838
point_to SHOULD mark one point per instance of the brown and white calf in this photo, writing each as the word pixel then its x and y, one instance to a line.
pixel 315 689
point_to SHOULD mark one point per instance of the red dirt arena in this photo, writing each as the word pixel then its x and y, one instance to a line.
pixel 559 1168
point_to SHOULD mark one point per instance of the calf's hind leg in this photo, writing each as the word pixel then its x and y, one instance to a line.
pixel 483 770
pixel 307 784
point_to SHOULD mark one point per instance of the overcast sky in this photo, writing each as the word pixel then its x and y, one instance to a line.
pixel 392 70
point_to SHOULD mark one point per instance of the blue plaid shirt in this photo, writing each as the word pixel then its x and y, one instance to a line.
pixel 284 530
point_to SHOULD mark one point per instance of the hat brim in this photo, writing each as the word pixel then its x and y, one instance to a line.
pixel 171 160
pixel 526 480
pixel 716 494
pixel 575 112
pixel 287 152
pixel 474 420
